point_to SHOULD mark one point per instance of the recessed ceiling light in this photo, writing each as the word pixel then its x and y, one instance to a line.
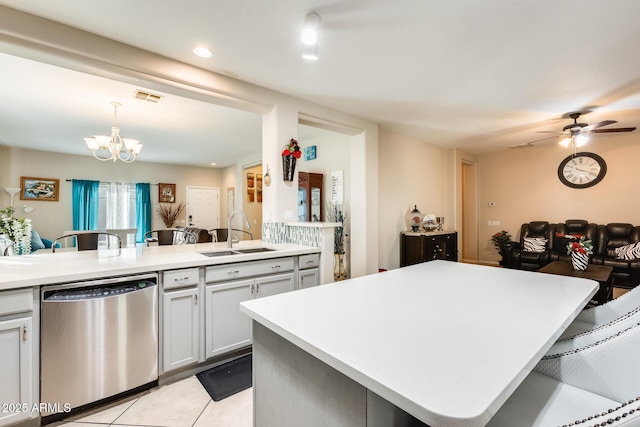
pixel 213 164
pixel 203 52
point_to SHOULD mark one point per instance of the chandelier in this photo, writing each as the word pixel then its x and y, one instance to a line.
pixel 114 147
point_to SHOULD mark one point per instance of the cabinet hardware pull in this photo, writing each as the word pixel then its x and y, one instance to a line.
pixel 180 279
pixel 233 272
pixel 275 267
pixel 252 289
pixel 310 262
pixel 257 288
pixel 24 332
pixel 196 299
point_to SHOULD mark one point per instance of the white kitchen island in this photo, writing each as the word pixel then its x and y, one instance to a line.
pixel 441 342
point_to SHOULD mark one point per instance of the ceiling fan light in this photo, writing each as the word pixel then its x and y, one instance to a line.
pixel 137 149
pixel 581 140
pixel 309 35
pixel 565 142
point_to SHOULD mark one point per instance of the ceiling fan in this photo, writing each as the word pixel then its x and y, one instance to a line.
pixel 576 133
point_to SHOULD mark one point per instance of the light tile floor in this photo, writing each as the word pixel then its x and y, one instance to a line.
pixel 184 403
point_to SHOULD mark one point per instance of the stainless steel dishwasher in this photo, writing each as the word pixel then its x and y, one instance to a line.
pixel 98 339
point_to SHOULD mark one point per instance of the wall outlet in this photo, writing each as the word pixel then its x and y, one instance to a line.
pixel 288 215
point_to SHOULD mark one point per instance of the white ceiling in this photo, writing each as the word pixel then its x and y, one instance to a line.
pixel 475 75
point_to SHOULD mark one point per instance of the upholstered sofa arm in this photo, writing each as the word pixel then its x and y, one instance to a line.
pixel 508 257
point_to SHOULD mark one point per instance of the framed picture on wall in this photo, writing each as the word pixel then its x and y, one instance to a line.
pixel 46 189
pixel 250 195
pixel 166 193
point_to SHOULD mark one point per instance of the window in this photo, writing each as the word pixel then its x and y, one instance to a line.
pixel 116 205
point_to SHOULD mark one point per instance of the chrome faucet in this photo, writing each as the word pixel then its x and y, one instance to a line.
pixel 246 223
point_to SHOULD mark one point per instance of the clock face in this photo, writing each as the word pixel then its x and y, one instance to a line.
pixel 582 170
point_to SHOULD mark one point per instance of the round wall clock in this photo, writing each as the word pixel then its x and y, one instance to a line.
pixel 582 170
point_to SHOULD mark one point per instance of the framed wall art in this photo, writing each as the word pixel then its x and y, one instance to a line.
pixel 45 189
pixel 166 193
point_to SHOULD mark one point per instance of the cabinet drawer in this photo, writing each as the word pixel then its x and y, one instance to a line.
pixel 241 270
pixel 309 261
pixel 16 301
pixel 180 278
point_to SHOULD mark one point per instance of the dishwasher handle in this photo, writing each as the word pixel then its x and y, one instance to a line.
pixel 94 292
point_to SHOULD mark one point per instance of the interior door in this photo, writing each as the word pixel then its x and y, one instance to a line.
pixel 203 207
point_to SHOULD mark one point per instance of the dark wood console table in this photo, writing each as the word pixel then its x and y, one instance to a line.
pixel 603 274
pixel 421 247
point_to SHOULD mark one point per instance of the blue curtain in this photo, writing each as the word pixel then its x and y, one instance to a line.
pixel 85 204
pixel 143 210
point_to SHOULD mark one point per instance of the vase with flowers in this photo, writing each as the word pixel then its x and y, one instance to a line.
pixel 290 153
pixel 17 230
pixel 580 249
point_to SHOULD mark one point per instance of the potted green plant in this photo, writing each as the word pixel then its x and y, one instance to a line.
pixel 17 230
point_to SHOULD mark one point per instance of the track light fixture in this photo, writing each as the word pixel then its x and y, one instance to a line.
pixel 309 36
pixel 310 29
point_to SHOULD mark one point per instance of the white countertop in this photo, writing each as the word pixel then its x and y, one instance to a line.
pixel 46 268
pixel 447 342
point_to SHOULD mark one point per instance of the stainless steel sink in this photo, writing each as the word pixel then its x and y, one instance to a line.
pixel 253 250
pixel 236 252
pixel 219 253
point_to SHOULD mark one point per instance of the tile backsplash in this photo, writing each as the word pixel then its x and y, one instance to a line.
pixel 279 232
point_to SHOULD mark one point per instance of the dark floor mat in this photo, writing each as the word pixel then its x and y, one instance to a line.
pixel 228 379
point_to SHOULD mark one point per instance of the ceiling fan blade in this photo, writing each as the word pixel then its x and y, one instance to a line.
pixel 550 131
pixel 542 139
pixel 598 125
pixel 613 130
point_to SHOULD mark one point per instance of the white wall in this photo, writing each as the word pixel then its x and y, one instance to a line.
pixel 27 36
pixel 50 219
pixel 332 155
pixel 410 172
pixel 524 186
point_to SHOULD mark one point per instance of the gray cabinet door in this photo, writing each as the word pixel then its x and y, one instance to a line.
pixel 226 327
pixel 181 328
pixel 16 370
pixel 308 278
pixel 273 285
